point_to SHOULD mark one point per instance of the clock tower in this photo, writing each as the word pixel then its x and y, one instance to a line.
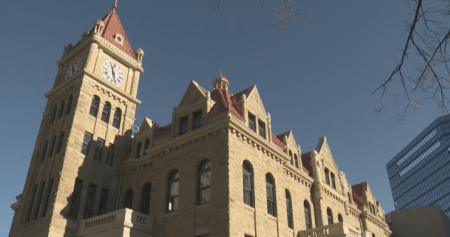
pixel 86 127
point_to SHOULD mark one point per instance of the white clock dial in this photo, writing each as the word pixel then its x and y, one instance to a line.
pixel 112 73
pixel 74 68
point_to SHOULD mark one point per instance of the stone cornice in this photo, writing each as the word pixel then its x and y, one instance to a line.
pixel 107 47
pixel 109 87
pixel 370 217
pixel 174 144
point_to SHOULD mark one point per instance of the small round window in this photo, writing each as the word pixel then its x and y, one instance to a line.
pixel 119 38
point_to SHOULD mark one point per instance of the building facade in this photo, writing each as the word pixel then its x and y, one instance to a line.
pixel 420 174
pixel 215 170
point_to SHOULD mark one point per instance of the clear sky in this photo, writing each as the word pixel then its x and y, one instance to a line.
pixel 315 77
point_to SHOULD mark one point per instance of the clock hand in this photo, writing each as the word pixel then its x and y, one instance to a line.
pixel 112 70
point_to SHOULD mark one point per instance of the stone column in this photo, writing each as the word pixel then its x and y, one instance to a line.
pixel 135 82
pixel 91 59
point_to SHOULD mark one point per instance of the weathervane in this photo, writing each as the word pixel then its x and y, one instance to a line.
pixel 220 68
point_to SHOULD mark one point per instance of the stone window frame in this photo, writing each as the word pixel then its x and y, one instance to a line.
pixel 330 216
pixel 308 218
pixel 95 104
pixel 289 210
pixel 117 118
pixel 173 179
pixel 128 199
pixel 203 168
pixel 145 198
pixel 271 195
pixel 247 174
pixel 106 112
pixel 118 38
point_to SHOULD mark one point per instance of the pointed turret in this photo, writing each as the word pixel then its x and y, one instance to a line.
pixel 111 29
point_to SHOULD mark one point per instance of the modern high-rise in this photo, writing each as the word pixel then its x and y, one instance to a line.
pixel 419 175
pixel 215 169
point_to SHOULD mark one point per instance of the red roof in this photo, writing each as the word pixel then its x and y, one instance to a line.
pixel 358 188
pixel 223 103
pixel 163 132
pixel 277 141
pixel 306 162
pixel 357 194
pixel 238 96
pixel 281 137
pixel 112 27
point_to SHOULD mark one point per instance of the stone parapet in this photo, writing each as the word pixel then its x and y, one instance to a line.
pixel 335 230
pixel 122 222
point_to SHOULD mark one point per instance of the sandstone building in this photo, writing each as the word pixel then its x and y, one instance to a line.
pixel 215 170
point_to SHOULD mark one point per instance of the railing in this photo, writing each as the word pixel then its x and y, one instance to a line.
pixel 120 219
pixel 330 230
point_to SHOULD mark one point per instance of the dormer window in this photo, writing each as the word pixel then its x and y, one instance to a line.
pixel 184 123
pixel 252 122
pixel 262 129
pixel 119 38
pixel 197 119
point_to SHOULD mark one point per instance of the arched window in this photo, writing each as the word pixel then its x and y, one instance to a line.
pixel 138 150
pixel 296 160
pixel 290 155
pixel 333 181
pixel 271 197
pixel 307 215
pixel 128 200
pixel 289 209
pixel 204 183
pixel 117 118
pixel 94 106
pixel 69 104
pixel 61 109
pixel 172 191
pixel 146 144
pixel 349 198
pixel 145 199
pixel 330 216
pixel 106 112
pixel 340 219
pixel 247 173
pixel 327 176
pixel 373 235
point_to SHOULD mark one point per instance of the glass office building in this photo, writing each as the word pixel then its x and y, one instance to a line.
pixel 420 174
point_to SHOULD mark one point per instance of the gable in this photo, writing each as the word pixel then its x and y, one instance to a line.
pixel 254 101
pixel 193 95
pixel 291 140
pixel 325 153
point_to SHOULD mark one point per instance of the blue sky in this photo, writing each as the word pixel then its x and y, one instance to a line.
pixel 315 77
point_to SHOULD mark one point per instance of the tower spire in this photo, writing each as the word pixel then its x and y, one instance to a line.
pixel 115 6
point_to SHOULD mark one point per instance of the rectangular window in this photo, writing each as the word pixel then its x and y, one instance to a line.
pixel 50 152
pixel 61 137
pixel 44 151
pixel 262 129
pixel 99 149
pixel 69 104
pixel 38 203
pixel 89 201
pixel 86 142
pixel 252 122
pixel 75 200
pixel 196 120
pixel 47 198
pixel 184 125
pixel 103 201
pixel 270 199
pixel 247 188
pixel 110 156
pixel 30 205
pixel 61 110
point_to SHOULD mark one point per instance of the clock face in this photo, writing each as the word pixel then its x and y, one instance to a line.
pixel 112 73
pixel 74 68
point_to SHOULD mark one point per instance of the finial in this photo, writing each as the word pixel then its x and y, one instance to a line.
pixel 115 6
pixel 220 72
